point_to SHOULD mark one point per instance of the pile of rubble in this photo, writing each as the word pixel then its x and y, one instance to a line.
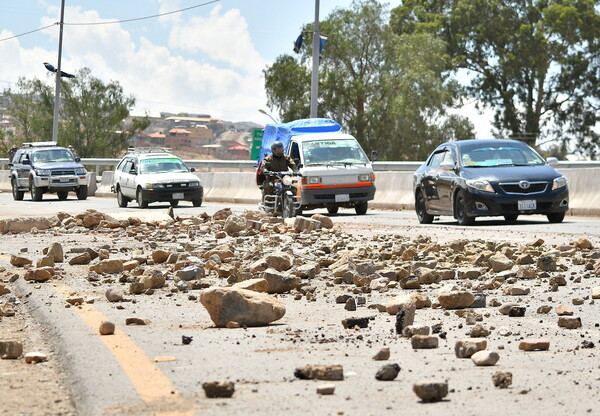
pixel 238 262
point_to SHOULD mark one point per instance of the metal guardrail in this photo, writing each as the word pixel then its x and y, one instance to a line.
pixel 245 165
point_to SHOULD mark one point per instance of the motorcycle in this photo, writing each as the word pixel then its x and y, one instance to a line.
pixel 284 201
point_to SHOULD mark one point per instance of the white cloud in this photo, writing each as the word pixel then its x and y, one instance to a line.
pixel 223 37
pixel 222 77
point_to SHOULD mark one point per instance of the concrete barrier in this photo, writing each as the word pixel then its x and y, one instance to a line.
pixel 394 189
pixel 105 184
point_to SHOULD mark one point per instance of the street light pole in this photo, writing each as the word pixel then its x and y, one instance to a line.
pixel 58 75
pixel 314 91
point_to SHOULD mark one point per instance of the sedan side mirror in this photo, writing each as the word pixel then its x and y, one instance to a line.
pixel 447 166
pixel 192 170
pixel 552 161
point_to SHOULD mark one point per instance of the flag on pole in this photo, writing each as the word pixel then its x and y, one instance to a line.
pixel 322 41
pixel 298 43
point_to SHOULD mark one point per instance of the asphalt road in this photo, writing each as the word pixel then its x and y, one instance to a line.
pixel 444 228
pixel 147 370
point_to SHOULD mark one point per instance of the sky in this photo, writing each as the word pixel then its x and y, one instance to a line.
pixel 205 60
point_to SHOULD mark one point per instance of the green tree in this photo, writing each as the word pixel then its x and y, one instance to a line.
pixel 387 90
pixel 31 107
pixel 92 115
pixel 535 63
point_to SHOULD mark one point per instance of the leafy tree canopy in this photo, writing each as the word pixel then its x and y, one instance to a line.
pixel 90 117
pixel 386 89
pixel 535 63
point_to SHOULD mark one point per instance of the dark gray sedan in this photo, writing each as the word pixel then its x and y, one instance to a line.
pixel 475 178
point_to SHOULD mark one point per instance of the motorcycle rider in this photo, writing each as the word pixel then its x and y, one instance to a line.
pixel 275 162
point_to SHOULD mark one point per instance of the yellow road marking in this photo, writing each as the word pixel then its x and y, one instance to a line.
pixel 151 384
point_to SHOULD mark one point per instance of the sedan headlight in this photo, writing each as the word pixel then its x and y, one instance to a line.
pixel 287 180
pixel 366 177
pixel 155 185
pixel 559 182
pixel 313 179
pixel 42 172
pixel 80 171
pixel 194 184
pixel 480 185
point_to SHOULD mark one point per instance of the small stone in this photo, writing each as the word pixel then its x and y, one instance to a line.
pixel 480 300
pixel 35 357
pixel 564 310
pixel 431 391
pixel 388 372
pixel 517 311
pixel 106 328
pixel 326 389
pixel 539 344
pixel 382 355
pixel 218 389
pixel 10 350
pixel 479 331
pixel 350 305
pixel 412 330
pixel 569 322
pixel 485 358
pixel 113 294
pixel 135 321
pixel 320 372
pixel 350 323
pixel 419 342
pixel 502 380
pixel 456 299
pixel 465 348
pixel 516 291
pixel 544 309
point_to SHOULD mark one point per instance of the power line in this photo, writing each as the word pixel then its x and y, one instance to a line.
pixel 27 33
pixel 113 21
pixel 142 18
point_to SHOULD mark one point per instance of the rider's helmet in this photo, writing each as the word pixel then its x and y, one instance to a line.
pixel 277 149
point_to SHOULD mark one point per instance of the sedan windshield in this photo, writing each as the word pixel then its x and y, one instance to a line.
pixel 162 165
pixel 333 152
pixel 504 155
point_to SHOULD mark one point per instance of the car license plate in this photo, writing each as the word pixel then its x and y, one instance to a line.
pixel 342 198
pixel 527 205
pixel 178 195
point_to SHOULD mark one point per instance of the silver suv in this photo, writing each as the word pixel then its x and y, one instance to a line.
pixel 44 167
pixel 153 175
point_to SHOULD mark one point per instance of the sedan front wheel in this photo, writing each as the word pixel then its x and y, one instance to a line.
pixel 422 215
pixel 556 217
pixel 460 210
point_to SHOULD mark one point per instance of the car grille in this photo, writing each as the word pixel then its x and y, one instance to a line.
pixel 515 188
pixel 176 185
pixel 63 172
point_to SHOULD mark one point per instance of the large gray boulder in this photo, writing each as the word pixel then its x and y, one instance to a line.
pixel 244 307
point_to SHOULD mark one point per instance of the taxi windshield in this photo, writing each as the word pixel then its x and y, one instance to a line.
pixel 162 165
pixel 340 151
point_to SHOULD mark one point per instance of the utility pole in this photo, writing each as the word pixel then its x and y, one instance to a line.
pixel 314 91
pixel 58 75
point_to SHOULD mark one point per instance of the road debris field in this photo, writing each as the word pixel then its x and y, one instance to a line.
pixel 246 314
